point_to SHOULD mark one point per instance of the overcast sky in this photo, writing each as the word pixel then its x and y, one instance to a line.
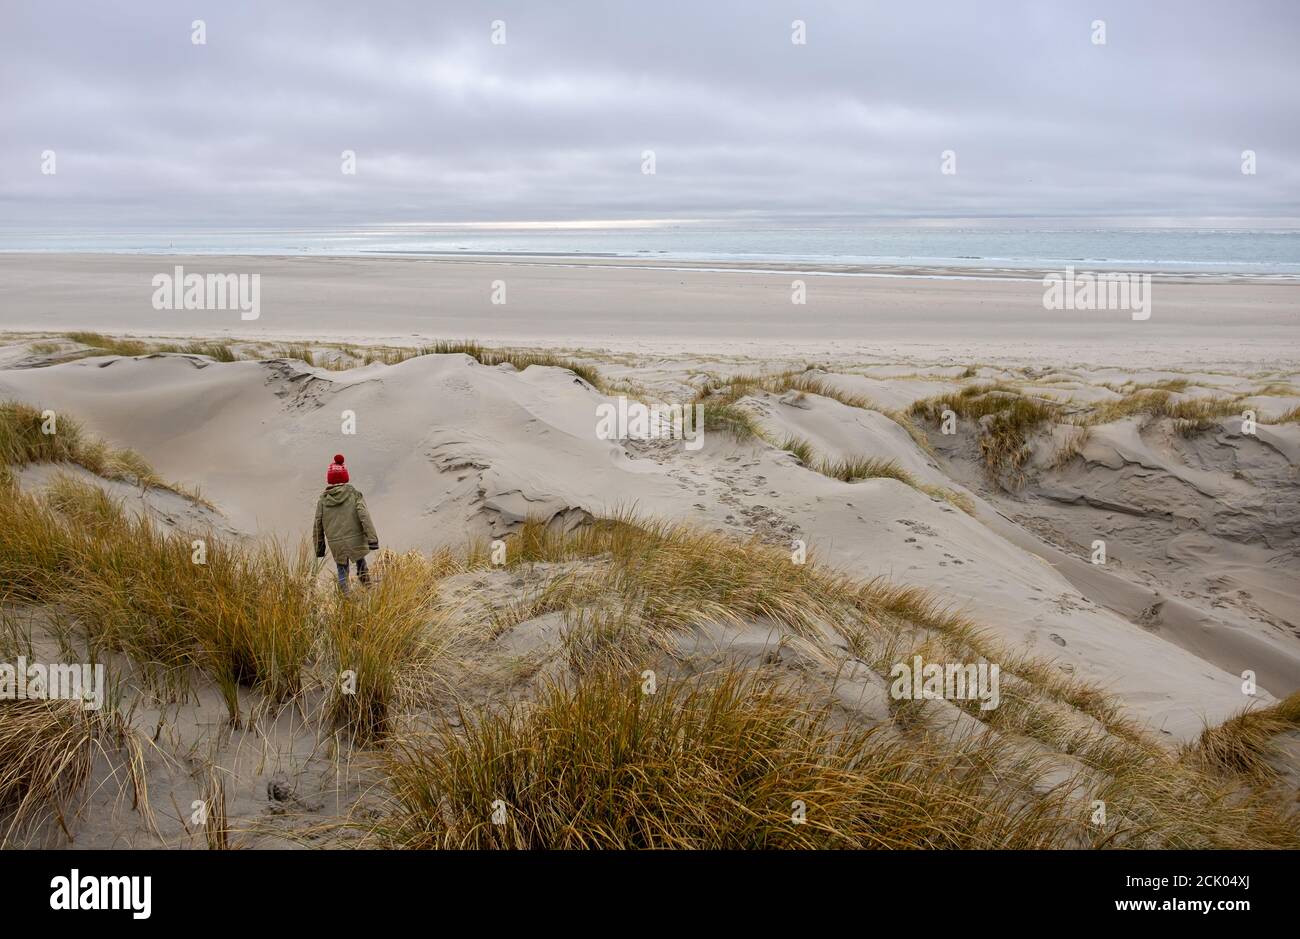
pixel 150 129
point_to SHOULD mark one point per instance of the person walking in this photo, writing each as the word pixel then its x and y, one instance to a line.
pixel 343 522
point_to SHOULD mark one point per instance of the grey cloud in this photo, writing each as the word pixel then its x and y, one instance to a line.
pixel 248 129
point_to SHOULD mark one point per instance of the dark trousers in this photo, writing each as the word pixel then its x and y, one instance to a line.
pixel 363 574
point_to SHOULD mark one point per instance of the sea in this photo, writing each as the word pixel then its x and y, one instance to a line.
pixel 942 250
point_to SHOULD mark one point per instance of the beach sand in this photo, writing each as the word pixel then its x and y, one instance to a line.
pixel 641 306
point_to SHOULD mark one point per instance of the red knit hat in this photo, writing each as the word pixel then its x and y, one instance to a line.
pixel 337 473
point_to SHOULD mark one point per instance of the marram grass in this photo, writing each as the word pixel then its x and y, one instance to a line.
pixel 48 753
pixel 719 762
pixel 590 759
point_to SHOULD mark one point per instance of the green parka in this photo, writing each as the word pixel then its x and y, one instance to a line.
pixel 343 520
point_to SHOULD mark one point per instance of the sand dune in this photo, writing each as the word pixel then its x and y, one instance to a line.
pixel 447 449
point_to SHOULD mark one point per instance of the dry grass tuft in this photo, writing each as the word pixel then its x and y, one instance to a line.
pixel 724 416
pixel 724 395
pixel 48 750
pixel 1290 417
pixel 216 823
pixel 1007 419
pixel 520 359
pixel 1276 389
pixel 854 468
pixel 802 449
pixel 24 440
pixel 1245 743
pixel 720 762
pixel 219 351
pixel 1071 447
pixel 299 351
pixel 112 345
pixel 241 614
pixel 1160 403
pixel 388 644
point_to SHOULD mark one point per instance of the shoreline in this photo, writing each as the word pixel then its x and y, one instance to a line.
pixel 912 269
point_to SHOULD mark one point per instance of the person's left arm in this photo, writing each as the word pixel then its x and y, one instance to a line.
pixel 367 526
